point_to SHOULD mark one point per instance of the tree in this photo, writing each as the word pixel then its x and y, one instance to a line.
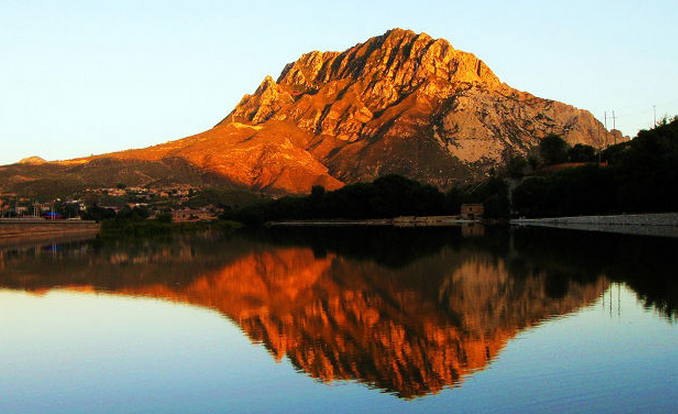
pixel 533 160
pixel 454 198
pixel 317 193
pixel 553 149
pixel 493 194
pixel 582 153
pixel 98 213
pixel 71 210
pixel 515 167
pixel 647 170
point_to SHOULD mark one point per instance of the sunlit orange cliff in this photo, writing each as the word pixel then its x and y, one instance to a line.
pixel 401 103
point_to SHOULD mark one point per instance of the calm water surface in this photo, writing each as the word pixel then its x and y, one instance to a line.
pixel 342 320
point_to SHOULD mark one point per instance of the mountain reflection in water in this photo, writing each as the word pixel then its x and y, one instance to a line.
pixel 409 311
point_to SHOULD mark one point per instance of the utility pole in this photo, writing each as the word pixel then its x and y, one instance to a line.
pixel 600 145
pixel 614 126
pixel 605 115
pixel 614 121
pixel 654 111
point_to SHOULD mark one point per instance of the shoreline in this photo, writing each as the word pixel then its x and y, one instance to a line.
pixel 42 240
pixel 17 230
pixel 650 224
pixel 408 221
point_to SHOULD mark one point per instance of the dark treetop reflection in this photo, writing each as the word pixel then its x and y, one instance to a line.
pixel 409 311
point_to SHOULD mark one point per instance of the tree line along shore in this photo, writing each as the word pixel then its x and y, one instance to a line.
pixel 555 180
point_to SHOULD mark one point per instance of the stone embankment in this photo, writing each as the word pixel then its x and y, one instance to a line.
pixel 22 229
pixel 404 221
pixel 658 224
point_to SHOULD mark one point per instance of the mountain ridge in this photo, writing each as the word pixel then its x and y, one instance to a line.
pixel 400 103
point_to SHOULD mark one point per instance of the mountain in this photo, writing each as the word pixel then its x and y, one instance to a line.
pixel 401 103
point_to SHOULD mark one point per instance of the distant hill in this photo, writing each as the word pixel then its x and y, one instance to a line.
pixel 33 161
pixel 59 178
pixel 400 103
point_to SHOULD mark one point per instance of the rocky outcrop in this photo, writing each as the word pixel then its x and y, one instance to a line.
pixel 401 103
pixel 34 160
pixel 408 104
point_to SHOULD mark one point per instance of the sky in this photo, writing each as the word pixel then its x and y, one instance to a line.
pixel 89 77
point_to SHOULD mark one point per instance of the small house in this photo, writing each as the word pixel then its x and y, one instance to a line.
pixel 472 211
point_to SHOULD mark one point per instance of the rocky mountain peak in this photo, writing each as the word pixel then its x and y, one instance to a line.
pixel 439 113
pixel 399 56
pixel 400 103
pixel 268 98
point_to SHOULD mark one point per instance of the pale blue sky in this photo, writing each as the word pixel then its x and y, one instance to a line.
pixel 86 77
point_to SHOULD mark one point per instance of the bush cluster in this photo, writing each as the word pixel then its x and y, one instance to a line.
pixel 642 177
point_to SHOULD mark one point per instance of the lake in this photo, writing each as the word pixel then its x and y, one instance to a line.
pixel 333 320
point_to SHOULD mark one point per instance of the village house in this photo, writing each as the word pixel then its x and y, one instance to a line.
pixel 472 211
pixel 188 214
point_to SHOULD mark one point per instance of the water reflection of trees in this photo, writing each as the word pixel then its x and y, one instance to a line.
pixel 406 310
pixel 648 265
pixel 112 265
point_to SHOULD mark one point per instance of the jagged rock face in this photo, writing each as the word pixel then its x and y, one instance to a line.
pixel 409 104
pixel 400 103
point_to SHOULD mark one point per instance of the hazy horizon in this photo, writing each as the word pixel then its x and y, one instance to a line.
pixel 81 78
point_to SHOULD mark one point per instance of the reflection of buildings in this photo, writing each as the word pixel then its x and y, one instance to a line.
pixel 472 230
pixel 411 330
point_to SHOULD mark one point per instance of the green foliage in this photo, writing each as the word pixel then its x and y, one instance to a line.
pixel 647 170
pixel 386 197
pixel 611 153
pixel 163 218
pixel 575 191
pixel 642 177
pixel 453 200
pixel 97 213
pixel 493 194
pixel 135 214
pixel 69 210
pixel 317 193
pixel 553 149
pixel 516 166
pixel 582 153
